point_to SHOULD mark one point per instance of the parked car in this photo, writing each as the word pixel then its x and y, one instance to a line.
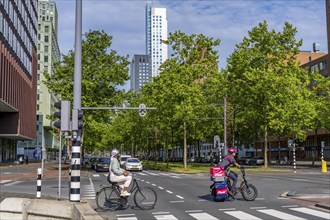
pixel 133 164
pixel 123 159
pixel 256 161
pixel 102 164
pixel 244 160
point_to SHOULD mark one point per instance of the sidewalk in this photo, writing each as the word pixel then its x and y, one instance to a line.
pixel 29 171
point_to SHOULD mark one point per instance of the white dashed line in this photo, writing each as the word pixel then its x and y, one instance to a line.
pixel 229 209
pixel 194 210
pixel 153 184
pixel 159 187
pixel 289 206
pixel 180 197
pixel 169 191
pixel 176 201
pixel 258 207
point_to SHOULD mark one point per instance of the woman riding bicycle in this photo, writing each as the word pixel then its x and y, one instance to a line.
pixel 228 161
pixel 119 175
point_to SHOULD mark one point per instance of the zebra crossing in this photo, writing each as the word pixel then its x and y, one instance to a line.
pixel 299 213
pixel 9 182
pixel 88 191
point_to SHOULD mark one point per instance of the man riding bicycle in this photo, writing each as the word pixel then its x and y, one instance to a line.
pixel 228 161
pixel 119 175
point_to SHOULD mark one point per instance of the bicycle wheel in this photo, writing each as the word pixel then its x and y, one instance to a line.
pixel 145 198
pixel 108 199
pixel 249 192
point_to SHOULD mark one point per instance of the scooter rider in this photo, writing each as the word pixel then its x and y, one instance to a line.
pixel 228 161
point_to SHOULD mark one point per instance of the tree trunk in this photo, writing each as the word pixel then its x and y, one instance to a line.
pixel 266 147
pixel 166 151
pixel 279 150
pixel 314 148
pixel 184 145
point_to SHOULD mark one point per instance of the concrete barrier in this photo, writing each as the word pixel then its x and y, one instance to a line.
pixel 23 208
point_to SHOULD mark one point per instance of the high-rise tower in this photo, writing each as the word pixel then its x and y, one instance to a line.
pixel 156 30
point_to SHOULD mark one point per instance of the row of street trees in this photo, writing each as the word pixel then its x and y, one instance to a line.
pixel 268 93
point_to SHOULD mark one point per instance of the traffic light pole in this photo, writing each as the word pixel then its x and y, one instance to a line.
pixel 76 149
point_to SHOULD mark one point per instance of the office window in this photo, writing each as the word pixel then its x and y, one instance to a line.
pixel 46 29
pixel 46 49
pixel 46 59
pixel 46 39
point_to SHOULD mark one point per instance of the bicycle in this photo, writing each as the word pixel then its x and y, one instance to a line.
pixel 109 199
pixel 248 191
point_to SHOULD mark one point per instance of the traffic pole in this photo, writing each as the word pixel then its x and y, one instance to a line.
pixel 75 160
pixel 39 183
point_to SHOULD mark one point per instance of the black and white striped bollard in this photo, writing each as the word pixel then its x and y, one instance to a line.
pixel 75 172
pixel 39 183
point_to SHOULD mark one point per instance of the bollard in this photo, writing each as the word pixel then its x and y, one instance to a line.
pixel 39 184
pixel 324 166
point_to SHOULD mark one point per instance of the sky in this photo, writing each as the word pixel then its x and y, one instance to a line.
pixel 227 20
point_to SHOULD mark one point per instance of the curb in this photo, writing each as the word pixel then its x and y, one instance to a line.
pixel 323 205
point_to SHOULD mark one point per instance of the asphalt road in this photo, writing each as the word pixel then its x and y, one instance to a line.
pixel 186 196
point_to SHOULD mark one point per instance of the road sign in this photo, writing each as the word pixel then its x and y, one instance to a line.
pixel 290 143
pixel 142 110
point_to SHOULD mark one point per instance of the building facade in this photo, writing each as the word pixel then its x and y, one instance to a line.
pixel 48 54
pixel 156 30
pixel 140 72
pixel 18 74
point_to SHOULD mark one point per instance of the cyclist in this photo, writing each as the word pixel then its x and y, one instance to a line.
pixel 119 175
pixel 228 161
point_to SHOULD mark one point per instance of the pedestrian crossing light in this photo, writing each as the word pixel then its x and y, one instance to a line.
pixel 64 115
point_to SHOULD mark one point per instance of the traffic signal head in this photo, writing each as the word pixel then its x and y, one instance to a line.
pixel 77 119
pixel 63 115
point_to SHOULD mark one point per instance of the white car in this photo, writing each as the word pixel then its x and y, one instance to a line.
pixel 123 159
pixel 133 164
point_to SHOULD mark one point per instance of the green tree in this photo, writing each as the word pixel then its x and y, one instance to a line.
pixel 103 70
pixel 177 92
pixel 268 85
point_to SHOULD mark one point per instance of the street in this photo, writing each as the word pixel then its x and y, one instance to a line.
pixel 186 196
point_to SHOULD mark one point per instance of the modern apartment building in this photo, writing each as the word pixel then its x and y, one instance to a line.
pixel 140 72
pixel 18 74
pixel 48 53
pixel 156 30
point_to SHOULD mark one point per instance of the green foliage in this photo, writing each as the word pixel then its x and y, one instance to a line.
pixel 102 71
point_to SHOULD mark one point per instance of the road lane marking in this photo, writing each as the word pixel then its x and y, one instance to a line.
pixel 202 216
pixel 160 213
pixel 124 215
pixel 153 184
pixel 282 198
pixel 202 200
pixel 159 187
pixel 96 175
pixel 169 191
pixel 154 174
pixel 289 206
pixel 260 199
pixel 280 215
pixel 228 209
pixel 177 201
pixel 177 177
pixel 165 217
pixel 313 212
pixel 127 218
pixel 194 211
pixel 13 183
pixel 5 181
pixel 180 197
pixel 147 182
pixel 242 215
pixel 258 208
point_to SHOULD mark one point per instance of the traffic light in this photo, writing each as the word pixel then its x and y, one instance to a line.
pixel 77 119
pixel 63 115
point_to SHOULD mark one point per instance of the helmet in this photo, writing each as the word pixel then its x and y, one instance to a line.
pixel 232 150
pixel 114 152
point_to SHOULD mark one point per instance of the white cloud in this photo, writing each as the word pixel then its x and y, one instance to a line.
pixel 228 20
